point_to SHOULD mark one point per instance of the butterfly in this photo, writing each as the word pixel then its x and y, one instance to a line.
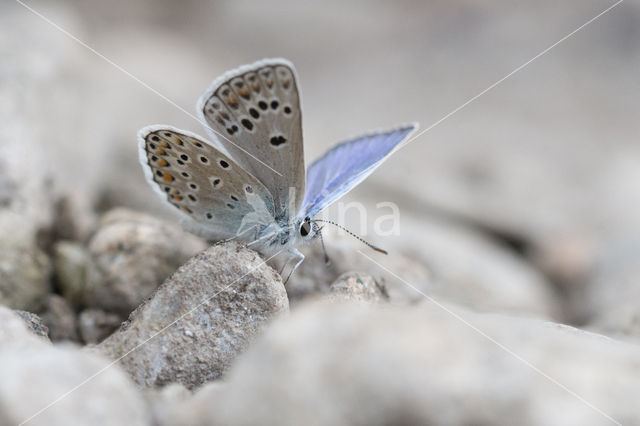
pixel 249 182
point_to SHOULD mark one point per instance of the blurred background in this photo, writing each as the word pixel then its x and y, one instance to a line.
pixel 541 174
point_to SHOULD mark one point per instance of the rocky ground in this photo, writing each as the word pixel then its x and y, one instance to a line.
pixel 510 296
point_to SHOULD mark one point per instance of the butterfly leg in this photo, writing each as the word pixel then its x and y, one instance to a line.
pixel 296 257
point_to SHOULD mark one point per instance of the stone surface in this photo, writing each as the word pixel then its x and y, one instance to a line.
pixel 70 264
pixel 60 319
pixel 357 287
pixel 35 323
pixel 20 330
pixel 200 319
pixel 130 255
pixel 34 378
pixel 95 325
pixel 329 364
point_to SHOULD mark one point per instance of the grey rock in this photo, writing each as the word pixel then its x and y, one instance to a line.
pixel 332 364
pixel 609 300
pixel 95 325
pixel 70 264
pixel 60 319
pixel 35 323
pixel 357 287
pixel 20 330
pixel 200 319
pixel 130 255
pixel 34 378
pixel 24 268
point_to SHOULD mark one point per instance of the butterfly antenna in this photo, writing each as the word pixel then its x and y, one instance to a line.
pixel 368 244
pixel 327 261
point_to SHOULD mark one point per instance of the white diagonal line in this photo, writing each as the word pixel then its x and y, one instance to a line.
pixel 142 83
pixel 417 135
pixel 491 339
pixel 112 363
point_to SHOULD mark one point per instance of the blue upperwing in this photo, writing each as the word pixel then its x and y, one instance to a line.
pixel 347 164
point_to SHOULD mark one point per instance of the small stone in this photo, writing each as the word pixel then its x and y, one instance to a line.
pixel 35 323
pixel 25 270
pixel 130 255
pixel 70 265
pixel 95 325
pixel 60 319
pixel 357 287
pixel 200 319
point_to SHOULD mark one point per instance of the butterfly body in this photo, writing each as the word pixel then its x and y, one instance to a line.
pixel 248 183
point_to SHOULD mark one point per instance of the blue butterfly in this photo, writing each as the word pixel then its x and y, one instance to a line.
pixel 249 183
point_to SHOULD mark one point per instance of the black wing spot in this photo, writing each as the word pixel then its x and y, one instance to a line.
pixel 185 174
pixel 254 113
pixel 204 159
pixel 209 215
pixel 249 189
pixel 287 110
pixel 275 104
pixel 247 123
pixel 155 138
pixel 224 164
pixel 277 140
pixel 192 198
pixel 231 206
pixel 234 198
pixel 263 105
pixel 193 186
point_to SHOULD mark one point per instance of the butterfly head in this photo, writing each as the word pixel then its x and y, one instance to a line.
pixel 307 229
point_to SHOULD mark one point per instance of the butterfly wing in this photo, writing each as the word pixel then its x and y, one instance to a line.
pixel 346 165
pixel 254 112
pixel 204 184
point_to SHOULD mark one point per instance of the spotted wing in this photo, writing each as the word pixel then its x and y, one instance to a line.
pixel 254 112
pixel 205 185
pixel 346 165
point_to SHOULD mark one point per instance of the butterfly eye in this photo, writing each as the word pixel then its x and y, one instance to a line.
pixel 305 228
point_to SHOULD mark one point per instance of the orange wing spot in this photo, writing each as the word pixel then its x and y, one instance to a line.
pixel 186 209
pixel 167 177
pixel 162 162
pixel 232 100
pixel 255 86
pixel 179 141
pixel 179 198
pixel 164 144
pixel 161 151
pixel 243 92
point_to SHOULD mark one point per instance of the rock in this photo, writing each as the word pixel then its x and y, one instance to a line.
pixel 35 323
pixel 95 325
pixel 357 287
pixel 609 301
pixel 332 364
pixel 200 319
pixel 439 259
pixel 19 330
pixel 60 319
pixel 83 386
pixel 70 263
pixel 130 255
